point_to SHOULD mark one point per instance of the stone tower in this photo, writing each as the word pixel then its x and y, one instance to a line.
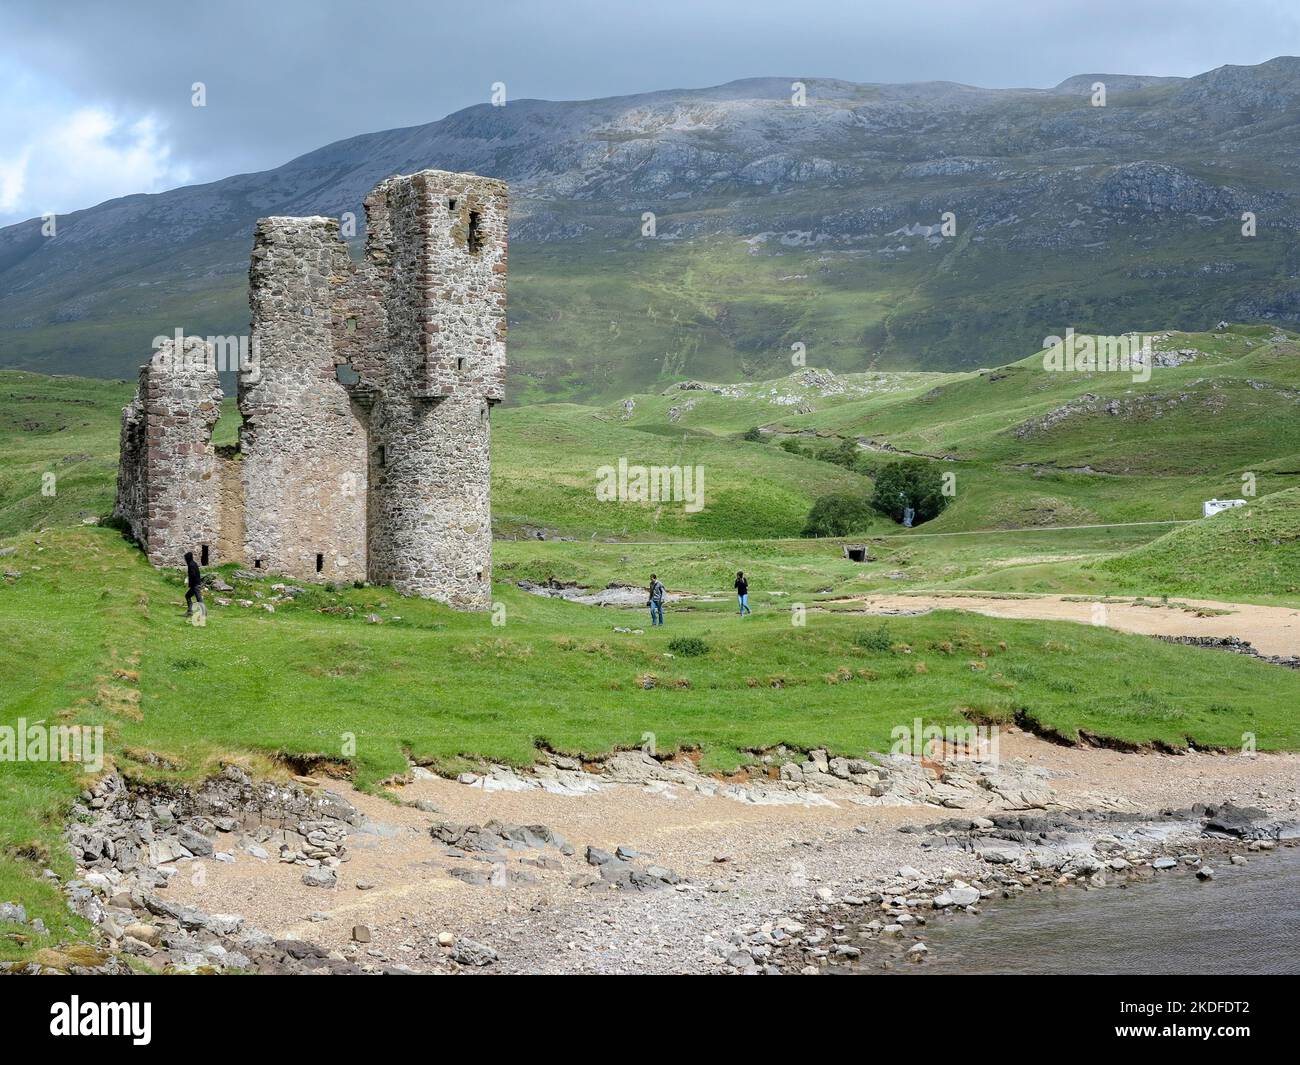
pixel 429 357
pixel 366 439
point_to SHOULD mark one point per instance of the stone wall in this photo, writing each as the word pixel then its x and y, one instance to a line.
pixel 169 477
pixel 303 449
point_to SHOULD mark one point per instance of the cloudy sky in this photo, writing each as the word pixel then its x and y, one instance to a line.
pixel 95 97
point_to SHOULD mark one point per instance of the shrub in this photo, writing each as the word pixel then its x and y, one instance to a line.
pixel 755 436
pixel 846 455
pixel 688 646
pixel 877 639
pixel 837 515
pixel 912 482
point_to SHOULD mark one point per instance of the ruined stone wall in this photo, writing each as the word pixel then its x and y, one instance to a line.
pixel 366 437
pixel 131 473
pixel 168 477
pixel 303 449
pixel 437 244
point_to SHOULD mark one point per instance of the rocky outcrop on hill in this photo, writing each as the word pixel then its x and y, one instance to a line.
pixel 1148 186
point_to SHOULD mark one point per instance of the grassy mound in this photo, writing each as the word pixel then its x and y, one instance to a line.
pixel 1252 550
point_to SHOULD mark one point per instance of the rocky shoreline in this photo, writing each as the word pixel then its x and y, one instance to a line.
pixel 885 923
pixel 806 864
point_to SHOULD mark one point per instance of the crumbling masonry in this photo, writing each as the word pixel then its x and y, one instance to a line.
pixel 364 452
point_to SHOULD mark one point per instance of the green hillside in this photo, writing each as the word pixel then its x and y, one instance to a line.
pixel 546 460
pixel 64 427
pixel 1251 550
pixel 1026 448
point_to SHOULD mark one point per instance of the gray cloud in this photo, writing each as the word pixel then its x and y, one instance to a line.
pixel 286 76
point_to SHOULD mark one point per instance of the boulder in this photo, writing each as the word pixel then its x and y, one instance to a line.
pixel 321 876
pixel 469 952
pixel 194 841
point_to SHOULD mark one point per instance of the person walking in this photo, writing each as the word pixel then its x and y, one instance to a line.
pixel 194 585
pixel 742 593
pixel 656 603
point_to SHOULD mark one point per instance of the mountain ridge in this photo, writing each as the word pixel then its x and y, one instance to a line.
pixel 776 224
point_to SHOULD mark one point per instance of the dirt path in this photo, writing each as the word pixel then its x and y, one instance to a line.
pixel 1272 630
pixel 911 535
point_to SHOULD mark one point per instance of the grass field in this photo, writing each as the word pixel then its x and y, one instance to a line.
pixel 96 638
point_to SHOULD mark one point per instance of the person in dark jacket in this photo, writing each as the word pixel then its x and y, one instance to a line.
pixel 194 581
pixel 742 593
pixel 656 603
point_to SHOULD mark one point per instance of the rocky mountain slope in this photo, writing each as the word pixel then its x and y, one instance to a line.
pixel 775 224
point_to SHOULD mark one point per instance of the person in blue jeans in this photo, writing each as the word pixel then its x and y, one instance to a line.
pixel 742 593
pixel 656 603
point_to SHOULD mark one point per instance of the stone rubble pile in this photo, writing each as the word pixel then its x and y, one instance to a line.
pixel 128 846
pixel 787 777
pixel 618 871
pixel 496 846
pixel 1236 645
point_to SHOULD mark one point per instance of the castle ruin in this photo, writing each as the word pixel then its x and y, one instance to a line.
pixel 364 452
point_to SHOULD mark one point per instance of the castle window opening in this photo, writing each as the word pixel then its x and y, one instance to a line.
pixel 451 205
pixel 474 239
pixel 344 374
pixel 203 555
pixel 257 563
pixel 350 325
pixel 320 562
pixel 382 457
pixel 460 363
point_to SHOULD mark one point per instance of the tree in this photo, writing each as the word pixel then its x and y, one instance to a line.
pixel 837 515
pixel 846 454
pixel 914 483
